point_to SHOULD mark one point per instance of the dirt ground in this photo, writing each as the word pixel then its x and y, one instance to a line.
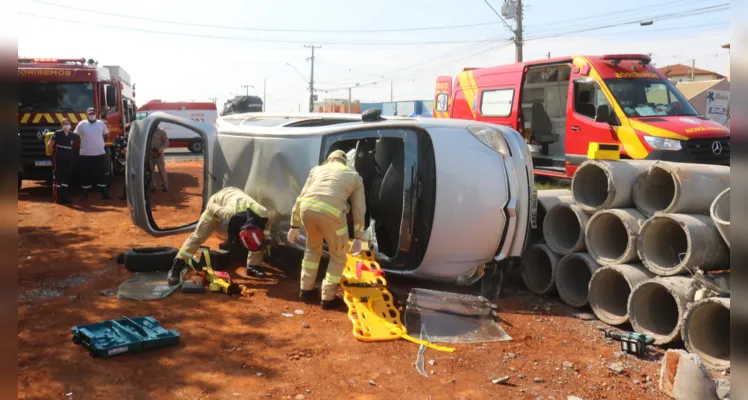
pixel 242 347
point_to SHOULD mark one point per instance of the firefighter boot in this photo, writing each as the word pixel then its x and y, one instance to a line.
pixel 104 193
pixel 255 271
pixel 308 296
pixel 336 302
pixel 175 273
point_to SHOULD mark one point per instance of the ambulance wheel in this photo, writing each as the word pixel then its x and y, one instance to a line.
pixel 195 146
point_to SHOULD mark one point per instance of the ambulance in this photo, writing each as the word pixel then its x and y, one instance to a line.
pixel 201 112
pixel 573 108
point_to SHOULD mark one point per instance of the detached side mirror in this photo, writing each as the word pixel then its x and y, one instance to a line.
pixel 603 114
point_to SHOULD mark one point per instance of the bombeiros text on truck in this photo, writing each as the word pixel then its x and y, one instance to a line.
pixel 52 89
pixel 566 107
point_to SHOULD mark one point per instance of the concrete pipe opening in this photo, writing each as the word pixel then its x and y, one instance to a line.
pixel 607 238
pixel 706 332
pixel 609 296
pixel 655 190
pixel 539 269
pixel 563 228
pixel 663 244
pixel 654 311
pixel 573 278
pixel 590 186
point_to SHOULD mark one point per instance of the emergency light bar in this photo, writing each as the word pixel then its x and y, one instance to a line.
pixel 51 60
pixel 616 58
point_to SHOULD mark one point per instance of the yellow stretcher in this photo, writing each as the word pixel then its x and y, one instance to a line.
pixel 370 305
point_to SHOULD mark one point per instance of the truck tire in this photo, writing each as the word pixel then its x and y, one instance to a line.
pixel 195 146
pixel 150 259
pixel 20 183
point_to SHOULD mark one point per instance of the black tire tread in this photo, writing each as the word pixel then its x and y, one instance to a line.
pixel 150 259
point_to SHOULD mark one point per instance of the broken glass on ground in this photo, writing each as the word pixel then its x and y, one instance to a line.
pixel 146 286
pixel 446 317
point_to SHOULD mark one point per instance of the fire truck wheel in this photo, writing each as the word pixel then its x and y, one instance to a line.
pixel 196 146
pixel 20 183
pixel 150 259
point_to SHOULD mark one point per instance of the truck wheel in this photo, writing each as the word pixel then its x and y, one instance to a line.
pixel 20 182
pixel 196 146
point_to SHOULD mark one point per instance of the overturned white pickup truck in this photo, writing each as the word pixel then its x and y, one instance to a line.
pixel 445 198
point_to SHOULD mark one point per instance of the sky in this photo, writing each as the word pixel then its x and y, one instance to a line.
pixel 194 51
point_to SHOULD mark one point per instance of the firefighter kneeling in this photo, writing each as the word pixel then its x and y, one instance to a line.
pixel 322 207
pixel 243 218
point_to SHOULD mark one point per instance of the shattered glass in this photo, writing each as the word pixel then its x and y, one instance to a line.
pixel 446 317
pixel 146 286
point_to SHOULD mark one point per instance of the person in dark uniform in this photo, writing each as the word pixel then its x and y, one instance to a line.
pixel 62 146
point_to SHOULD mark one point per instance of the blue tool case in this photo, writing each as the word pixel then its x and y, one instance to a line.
pixel 123 335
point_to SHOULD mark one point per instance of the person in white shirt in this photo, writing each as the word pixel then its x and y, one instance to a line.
pixel 92 157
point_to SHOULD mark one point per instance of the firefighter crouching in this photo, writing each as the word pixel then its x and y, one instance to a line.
pixel 322 207
pixel 159 143
pixel 62 147
pixel 243 218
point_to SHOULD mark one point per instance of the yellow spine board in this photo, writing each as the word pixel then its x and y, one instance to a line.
pixel 371 309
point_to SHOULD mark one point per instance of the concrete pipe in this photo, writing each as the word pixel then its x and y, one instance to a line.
pixel 573 276
pixel 548 199
pixel 656 307
pixel 539 269
pixel 680 188
pixel 674 244
pixel 706 331
pixel 720 212
pixel 610 236
pixel 563 228
pixel 603 184
pixel 610 288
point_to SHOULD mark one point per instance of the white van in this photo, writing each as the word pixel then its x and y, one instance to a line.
pixel 446 199
pixel 200 112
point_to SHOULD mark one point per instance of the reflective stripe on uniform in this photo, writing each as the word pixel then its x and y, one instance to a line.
pixel 86 187
pixel 323 206
pixel 309 265
pixel 101 186
pixel 358 228
pixel 332 278
pixel 64 184
pixel 206 216
pixel 242 206
pixel 65 147
pixel 185 254
pixel 342 231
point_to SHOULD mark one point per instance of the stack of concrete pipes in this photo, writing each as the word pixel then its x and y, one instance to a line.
pixel 627 239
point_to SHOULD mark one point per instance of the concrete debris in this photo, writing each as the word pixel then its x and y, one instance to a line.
pixel 300 397
pixel 573 398
pixel 684 377
pixel 616 367
pixel 568 364
pixel 432 362
pixel 538 380
pixel 299 312
pixel 723 389
pixel 510 355
pixel 259 374
pixel 500 381
pixel 287 315
pixel 372 383
pixel 521 376
pixel 305 325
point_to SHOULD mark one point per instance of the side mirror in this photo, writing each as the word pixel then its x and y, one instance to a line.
pixel 603 114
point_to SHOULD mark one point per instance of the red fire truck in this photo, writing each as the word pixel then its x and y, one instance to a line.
pixel 564 105
pixel 52 89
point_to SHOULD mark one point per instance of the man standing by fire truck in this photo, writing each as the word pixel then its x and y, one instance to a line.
pixel 93 162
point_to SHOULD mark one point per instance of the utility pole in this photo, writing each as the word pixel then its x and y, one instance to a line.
pixel 247 87
pixel 548 54
pixel 264 93
pixel 392 97
pixel 693 67
pixel 349 100
pixel 311 78
pixel 518 33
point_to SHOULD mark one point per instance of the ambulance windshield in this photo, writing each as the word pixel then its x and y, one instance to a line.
pixel 649 98
pixel 55 96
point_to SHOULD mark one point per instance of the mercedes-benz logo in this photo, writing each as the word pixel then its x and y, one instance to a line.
pixel 717 148
pixel 41 134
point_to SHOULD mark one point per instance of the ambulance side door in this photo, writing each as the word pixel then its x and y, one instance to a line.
pixel 162 208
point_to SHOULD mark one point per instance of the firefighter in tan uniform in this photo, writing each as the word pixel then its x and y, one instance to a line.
pixel 241 216
pixel 159 143
pixel 322 207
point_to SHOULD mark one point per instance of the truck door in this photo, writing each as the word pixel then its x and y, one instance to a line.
pixel 160 210
pixel 586 120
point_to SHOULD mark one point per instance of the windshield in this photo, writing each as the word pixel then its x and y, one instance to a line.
pixel 649 98
pixel 55 96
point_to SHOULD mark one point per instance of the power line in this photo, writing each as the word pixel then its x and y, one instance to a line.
pixel 688 13
pixel 249 39
pixel 162 21
pixel 499 15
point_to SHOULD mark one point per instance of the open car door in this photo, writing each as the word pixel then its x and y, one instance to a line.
pixel 163 207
